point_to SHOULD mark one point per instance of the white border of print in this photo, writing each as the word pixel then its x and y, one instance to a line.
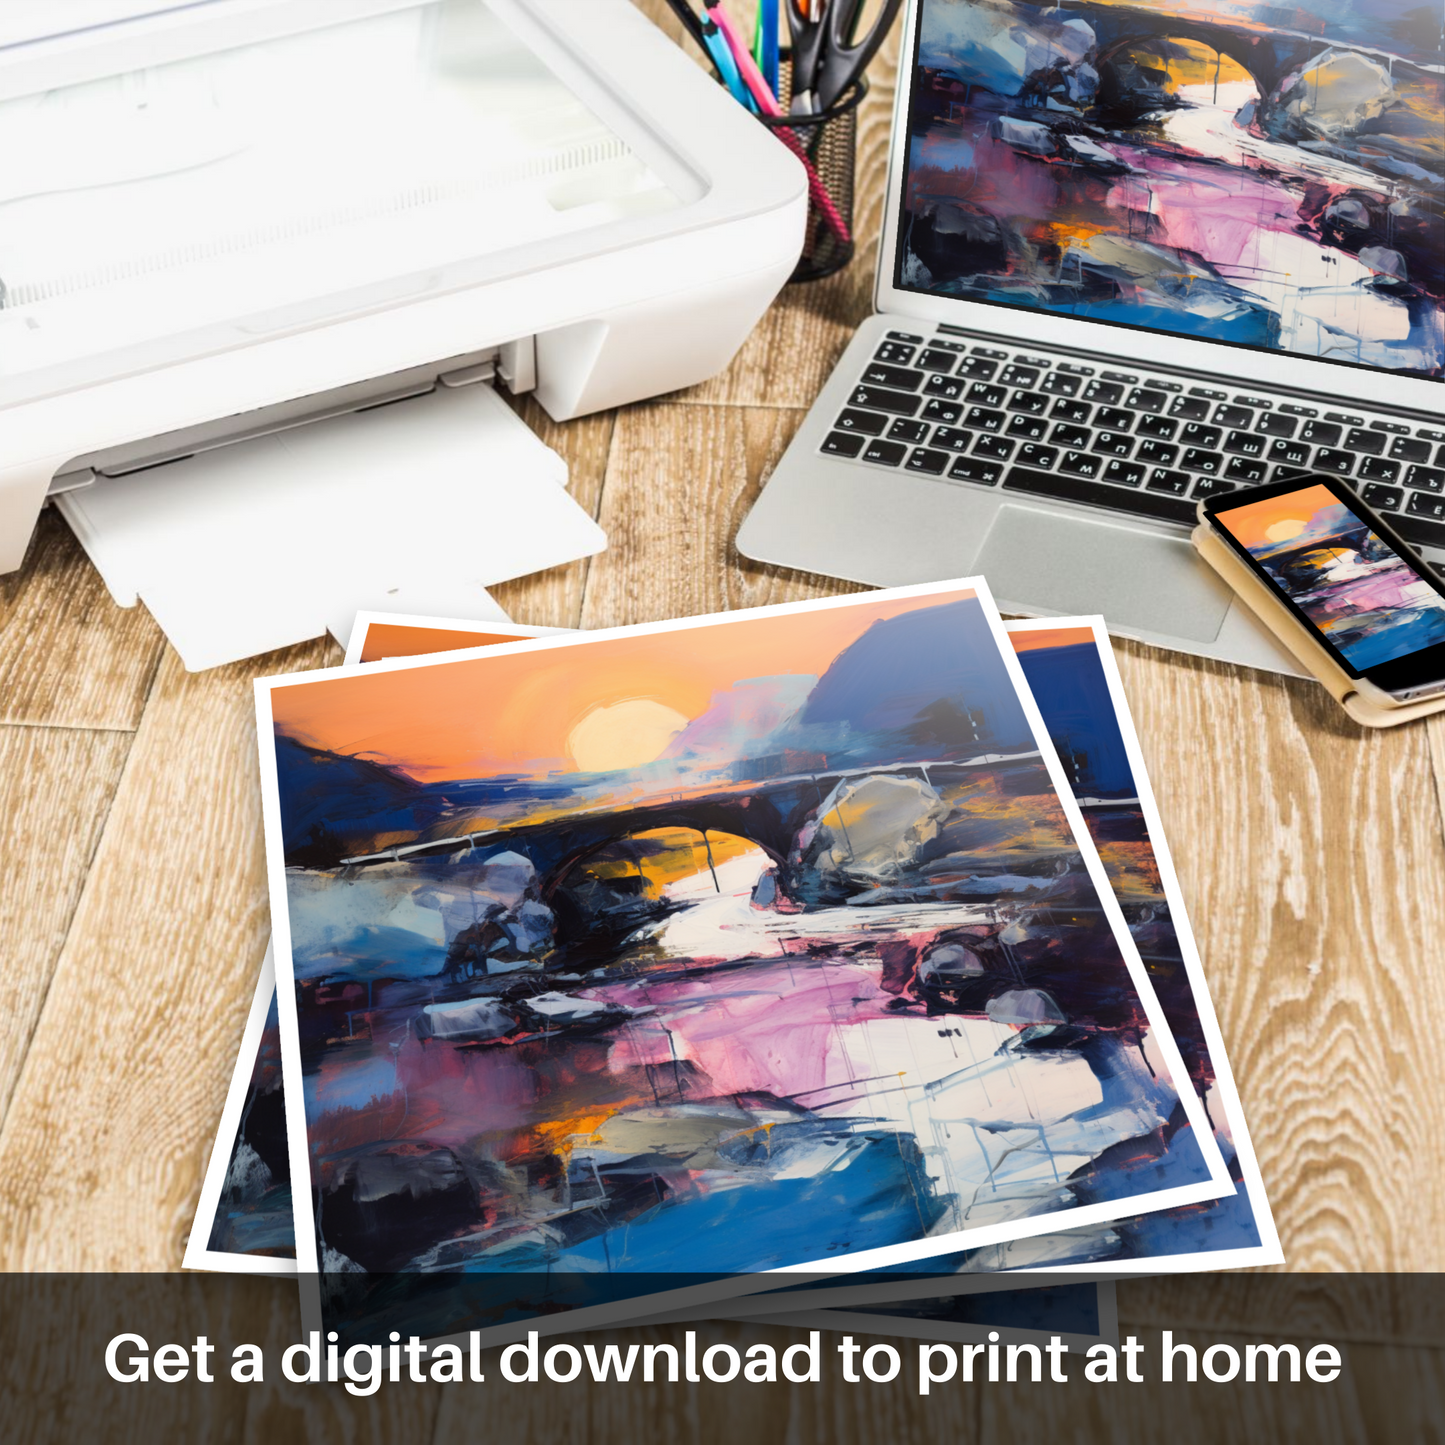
pixel 199 1254
pixel 307 1261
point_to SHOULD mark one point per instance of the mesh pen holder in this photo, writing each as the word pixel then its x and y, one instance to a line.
pixel 827 145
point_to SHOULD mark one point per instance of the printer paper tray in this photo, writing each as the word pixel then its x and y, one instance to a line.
pixel 417 506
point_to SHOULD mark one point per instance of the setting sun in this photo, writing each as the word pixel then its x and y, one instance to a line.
pixel 624 735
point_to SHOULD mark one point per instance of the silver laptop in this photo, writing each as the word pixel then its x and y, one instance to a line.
pixel 1132 257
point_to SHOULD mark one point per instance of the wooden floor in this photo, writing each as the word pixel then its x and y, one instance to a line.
pixel 133 907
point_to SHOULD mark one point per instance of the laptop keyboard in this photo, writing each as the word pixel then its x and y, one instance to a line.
pixel 1142 444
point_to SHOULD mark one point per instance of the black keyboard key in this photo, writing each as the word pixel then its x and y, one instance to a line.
pixel 1189 408
pixel 977 368
pixel 1100 494
pixel 1076 411
pixel 944 411
pixel 1081 464
pixel 954 438
pixel 1211 487
pixel 886 454
pixel 1143 399
pixel 1070 436
pixel 904 336
pixel 1113 418
pixel 1156 454
pixel 895 353
pixel 1288 453
pixel 1157 426
pixel 1421 505
pixel 1321 433
pixel 933 359
pixel 1345 418
pixel 904 430
pixel 948 387
pixel 1426 479
pixel 1014 375
pixel 1124 474
pixel 1371 443
pixel 1163 480
pixel 1199 460
pixel 981 394
pixel 970 469
pixel 1195 435
pixel 1418 530
pixel 1037 456
pixel 867 422
pixel 924 459
pixel 1293 410
pixel 1407 449
pixel 1057 383
pixel 1246 469
pixel 1107 392
pixel 1376 469
pixel 1112 444
pixel 958 347
pixel 982 419
pixel 1430 434
pixel 1127 377
pixel 1381 498
pixel 1245 444
pixel 877 398
pixel 1331 459
pixel 843 444
pixel 1235 416
pixel 1035 403
pixel 1032 428
pixel 1272 424
pixel 1440 457
pixel 995 447
pixel 877 374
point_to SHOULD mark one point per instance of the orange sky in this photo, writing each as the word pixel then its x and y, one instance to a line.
pixel 390 639
pixel 1050 637
pixel 510 712
pixel 1249 523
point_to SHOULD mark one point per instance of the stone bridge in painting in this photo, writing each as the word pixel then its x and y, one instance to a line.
pixel 768 813
pixel 1268 54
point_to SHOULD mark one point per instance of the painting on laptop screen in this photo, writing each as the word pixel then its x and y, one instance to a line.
pixel 1264 175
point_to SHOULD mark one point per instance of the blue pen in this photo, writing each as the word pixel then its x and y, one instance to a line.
pixel 727 67
pixel 768 25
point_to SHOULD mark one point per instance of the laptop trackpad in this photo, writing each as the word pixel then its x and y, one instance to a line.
pixel 1071 565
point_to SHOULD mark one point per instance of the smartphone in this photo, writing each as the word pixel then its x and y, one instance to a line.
pixel 1358 588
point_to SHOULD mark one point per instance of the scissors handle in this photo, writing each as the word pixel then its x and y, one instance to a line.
pixel 843 58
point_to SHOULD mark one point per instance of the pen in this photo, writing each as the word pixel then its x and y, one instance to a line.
pixel 767 103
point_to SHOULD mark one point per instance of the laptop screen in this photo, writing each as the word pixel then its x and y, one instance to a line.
pixel 1261 175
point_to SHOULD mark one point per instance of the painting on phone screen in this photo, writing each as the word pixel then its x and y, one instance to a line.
pixel 1356 589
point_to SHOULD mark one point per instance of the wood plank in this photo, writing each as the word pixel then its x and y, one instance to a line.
pixel 56 786
pixel 115 1109
pixel 1313 864
pixel 679 482
pixel 554 598
pixel 69 657
pixel 1355 1408
pixel 708 1413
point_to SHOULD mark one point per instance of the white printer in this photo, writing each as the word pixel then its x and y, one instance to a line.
pixel 225 223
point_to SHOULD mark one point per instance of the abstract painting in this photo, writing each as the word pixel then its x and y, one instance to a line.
pixel 1225 169
pixel 1350 583
pixel 758 942
pixel 244 1218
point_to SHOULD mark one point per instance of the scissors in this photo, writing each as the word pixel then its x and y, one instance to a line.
pixel 828 56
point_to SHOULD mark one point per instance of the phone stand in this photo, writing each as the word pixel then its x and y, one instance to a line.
pixel 1310 655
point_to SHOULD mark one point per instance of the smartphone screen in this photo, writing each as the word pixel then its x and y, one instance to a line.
pixel 1370 602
